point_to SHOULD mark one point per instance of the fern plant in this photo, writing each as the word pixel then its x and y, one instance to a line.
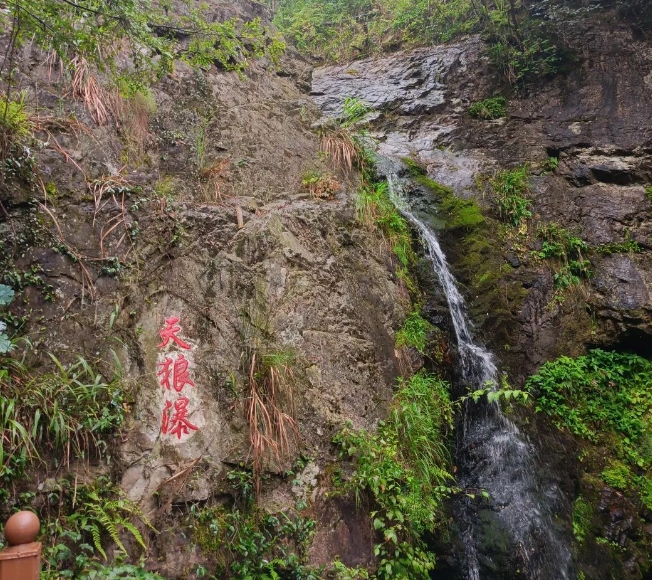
pixel 108 516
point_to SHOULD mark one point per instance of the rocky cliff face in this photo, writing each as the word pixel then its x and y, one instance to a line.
pixel 594 121
pixel 193 218
pixel 188 220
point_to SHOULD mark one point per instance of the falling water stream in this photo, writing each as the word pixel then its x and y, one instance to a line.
pixel 496 456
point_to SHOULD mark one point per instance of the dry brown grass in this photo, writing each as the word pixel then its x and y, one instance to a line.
pixel 341 149
pixel 109 195
pixel 270 411
pixel 86 87
pixel 214 180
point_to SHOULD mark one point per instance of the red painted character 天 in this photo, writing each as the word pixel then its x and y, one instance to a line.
pixel 176 422
pixel 176 371
pixel 169 332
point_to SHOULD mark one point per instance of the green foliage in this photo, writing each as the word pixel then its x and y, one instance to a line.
pixel 629 245
pixel 510 188
pixel 152 38
pixel 6 296
pixel 354 111
pixel 84 520
pixel 71 410
pixel 118 571
pixel 552 163
pixel 567 251
pixel 492 108
pixel 414 332
pixel 15 124
pixel 251 544
pixel 375 209
pixel 522 41
pixel 405 468
pixel 345 29
pixel 582 516
pixel 605 398
pixel 618 476
pixel 648 192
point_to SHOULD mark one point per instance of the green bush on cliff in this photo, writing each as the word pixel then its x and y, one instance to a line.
pixel 522 42
pixel 605 398
pixel 404 466
pixel 493 108
pixel 510 188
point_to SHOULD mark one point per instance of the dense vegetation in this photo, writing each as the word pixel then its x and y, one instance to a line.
pixel 521 38
pixel 605 399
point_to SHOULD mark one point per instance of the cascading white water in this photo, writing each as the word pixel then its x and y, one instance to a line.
pixel 500 458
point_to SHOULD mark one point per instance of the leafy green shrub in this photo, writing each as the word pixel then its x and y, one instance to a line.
pixel 252 544
pixel 414 332
pixel 492 108
pixel 648 192
pixel 567 250
pixel 605 398
pixel 118 572
pixel 404 466
pixel 597 393
pixel 510 188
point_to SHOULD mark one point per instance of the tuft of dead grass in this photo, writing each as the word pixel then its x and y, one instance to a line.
pixel 214 180
pixel 86 87
pixel 342 150
pixel 270 409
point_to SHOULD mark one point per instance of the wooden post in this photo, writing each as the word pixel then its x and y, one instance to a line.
pixel 22 559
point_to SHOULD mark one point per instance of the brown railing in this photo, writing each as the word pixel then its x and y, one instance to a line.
pixel 22 559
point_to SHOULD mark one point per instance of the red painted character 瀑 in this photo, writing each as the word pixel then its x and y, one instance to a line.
pixel 176 422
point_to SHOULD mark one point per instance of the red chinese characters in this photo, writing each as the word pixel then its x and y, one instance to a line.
pixel 174 374
pixel 169 332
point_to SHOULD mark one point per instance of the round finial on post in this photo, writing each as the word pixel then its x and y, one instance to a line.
pixel 22 528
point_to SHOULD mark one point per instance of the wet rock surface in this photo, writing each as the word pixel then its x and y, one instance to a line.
pixel 595 121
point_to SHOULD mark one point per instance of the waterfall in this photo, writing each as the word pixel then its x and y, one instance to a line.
pixel 497 457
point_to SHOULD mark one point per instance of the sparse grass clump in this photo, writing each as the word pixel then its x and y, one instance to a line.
pixel 375 209
pixel 488 109
pixel 320 185
pixel 69 411
pixel 414 332
pixel 270 409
